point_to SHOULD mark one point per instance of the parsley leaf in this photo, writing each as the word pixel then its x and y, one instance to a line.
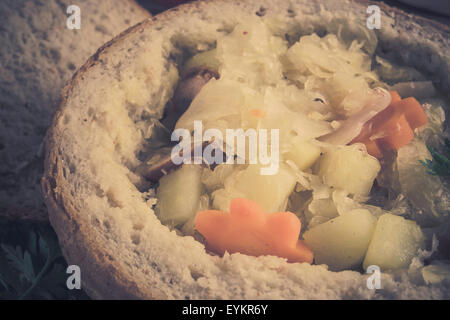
pixel 31 263
pixel 440 163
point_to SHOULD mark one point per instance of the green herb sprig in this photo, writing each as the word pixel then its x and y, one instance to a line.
pixel 440 163
pixel 31 264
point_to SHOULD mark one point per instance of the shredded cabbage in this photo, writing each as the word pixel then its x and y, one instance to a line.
pixel 250 55
pixel 342 74
pixel 432 134
pixel 306 91
pixel 324 57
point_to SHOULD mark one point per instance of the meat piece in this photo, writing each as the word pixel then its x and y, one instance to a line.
pixel 190 86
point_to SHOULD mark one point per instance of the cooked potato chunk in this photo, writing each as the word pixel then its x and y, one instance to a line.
pixel 179 194
pixel 270 191
pixel 349 168
pixel 394 243
pixel 303 153
pixel 342 242
pixel 206 59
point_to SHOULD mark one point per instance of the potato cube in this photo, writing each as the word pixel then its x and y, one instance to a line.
pixel 349 168
pixel 270 191
pixel 342 242
pixel 303 153
pixel 206 59
pixel 394 243
pixel 178 195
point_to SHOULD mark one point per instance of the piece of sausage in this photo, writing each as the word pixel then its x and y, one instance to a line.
pixel 163 166
pixel 190 86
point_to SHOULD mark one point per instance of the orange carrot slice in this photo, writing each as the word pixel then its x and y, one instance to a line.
pixel 393 127
pixel 258 113
pixel 373 148
pixel 415 115
pixel 249 230
pixel 395 96
pixel 371 145
pixel 396 132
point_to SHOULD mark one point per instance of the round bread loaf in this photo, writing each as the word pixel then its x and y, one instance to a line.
pixel 38 55
pixel 99 205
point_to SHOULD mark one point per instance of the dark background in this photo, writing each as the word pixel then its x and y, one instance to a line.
pixel 442 14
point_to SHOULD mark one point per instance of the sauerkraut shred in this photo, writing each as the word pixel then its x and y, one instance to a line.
pixel 308 90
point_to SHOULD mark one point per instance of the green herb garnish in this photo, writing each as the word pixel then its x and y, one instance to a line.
pixel 440 163
pixel 31 264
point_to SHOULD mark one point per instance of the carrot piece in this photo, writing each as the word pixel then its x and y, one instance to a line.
pixel 415 115
pixel 395 96
pixel 249 230
pixel 365 133
pixel 258 113
pixel 371 145
pixel 381 118
pixel 370 127
pixel 373 148
pixel 393 127
pixel 396 132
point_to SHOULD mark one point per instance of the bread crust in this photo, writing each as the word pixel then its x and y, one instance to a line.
pixel 74 238
pixel 35 66
pixel 103 276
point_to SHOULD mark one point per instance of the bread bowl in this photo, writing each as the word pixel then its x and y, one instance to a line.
pixel 39 55
pixel 100 206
